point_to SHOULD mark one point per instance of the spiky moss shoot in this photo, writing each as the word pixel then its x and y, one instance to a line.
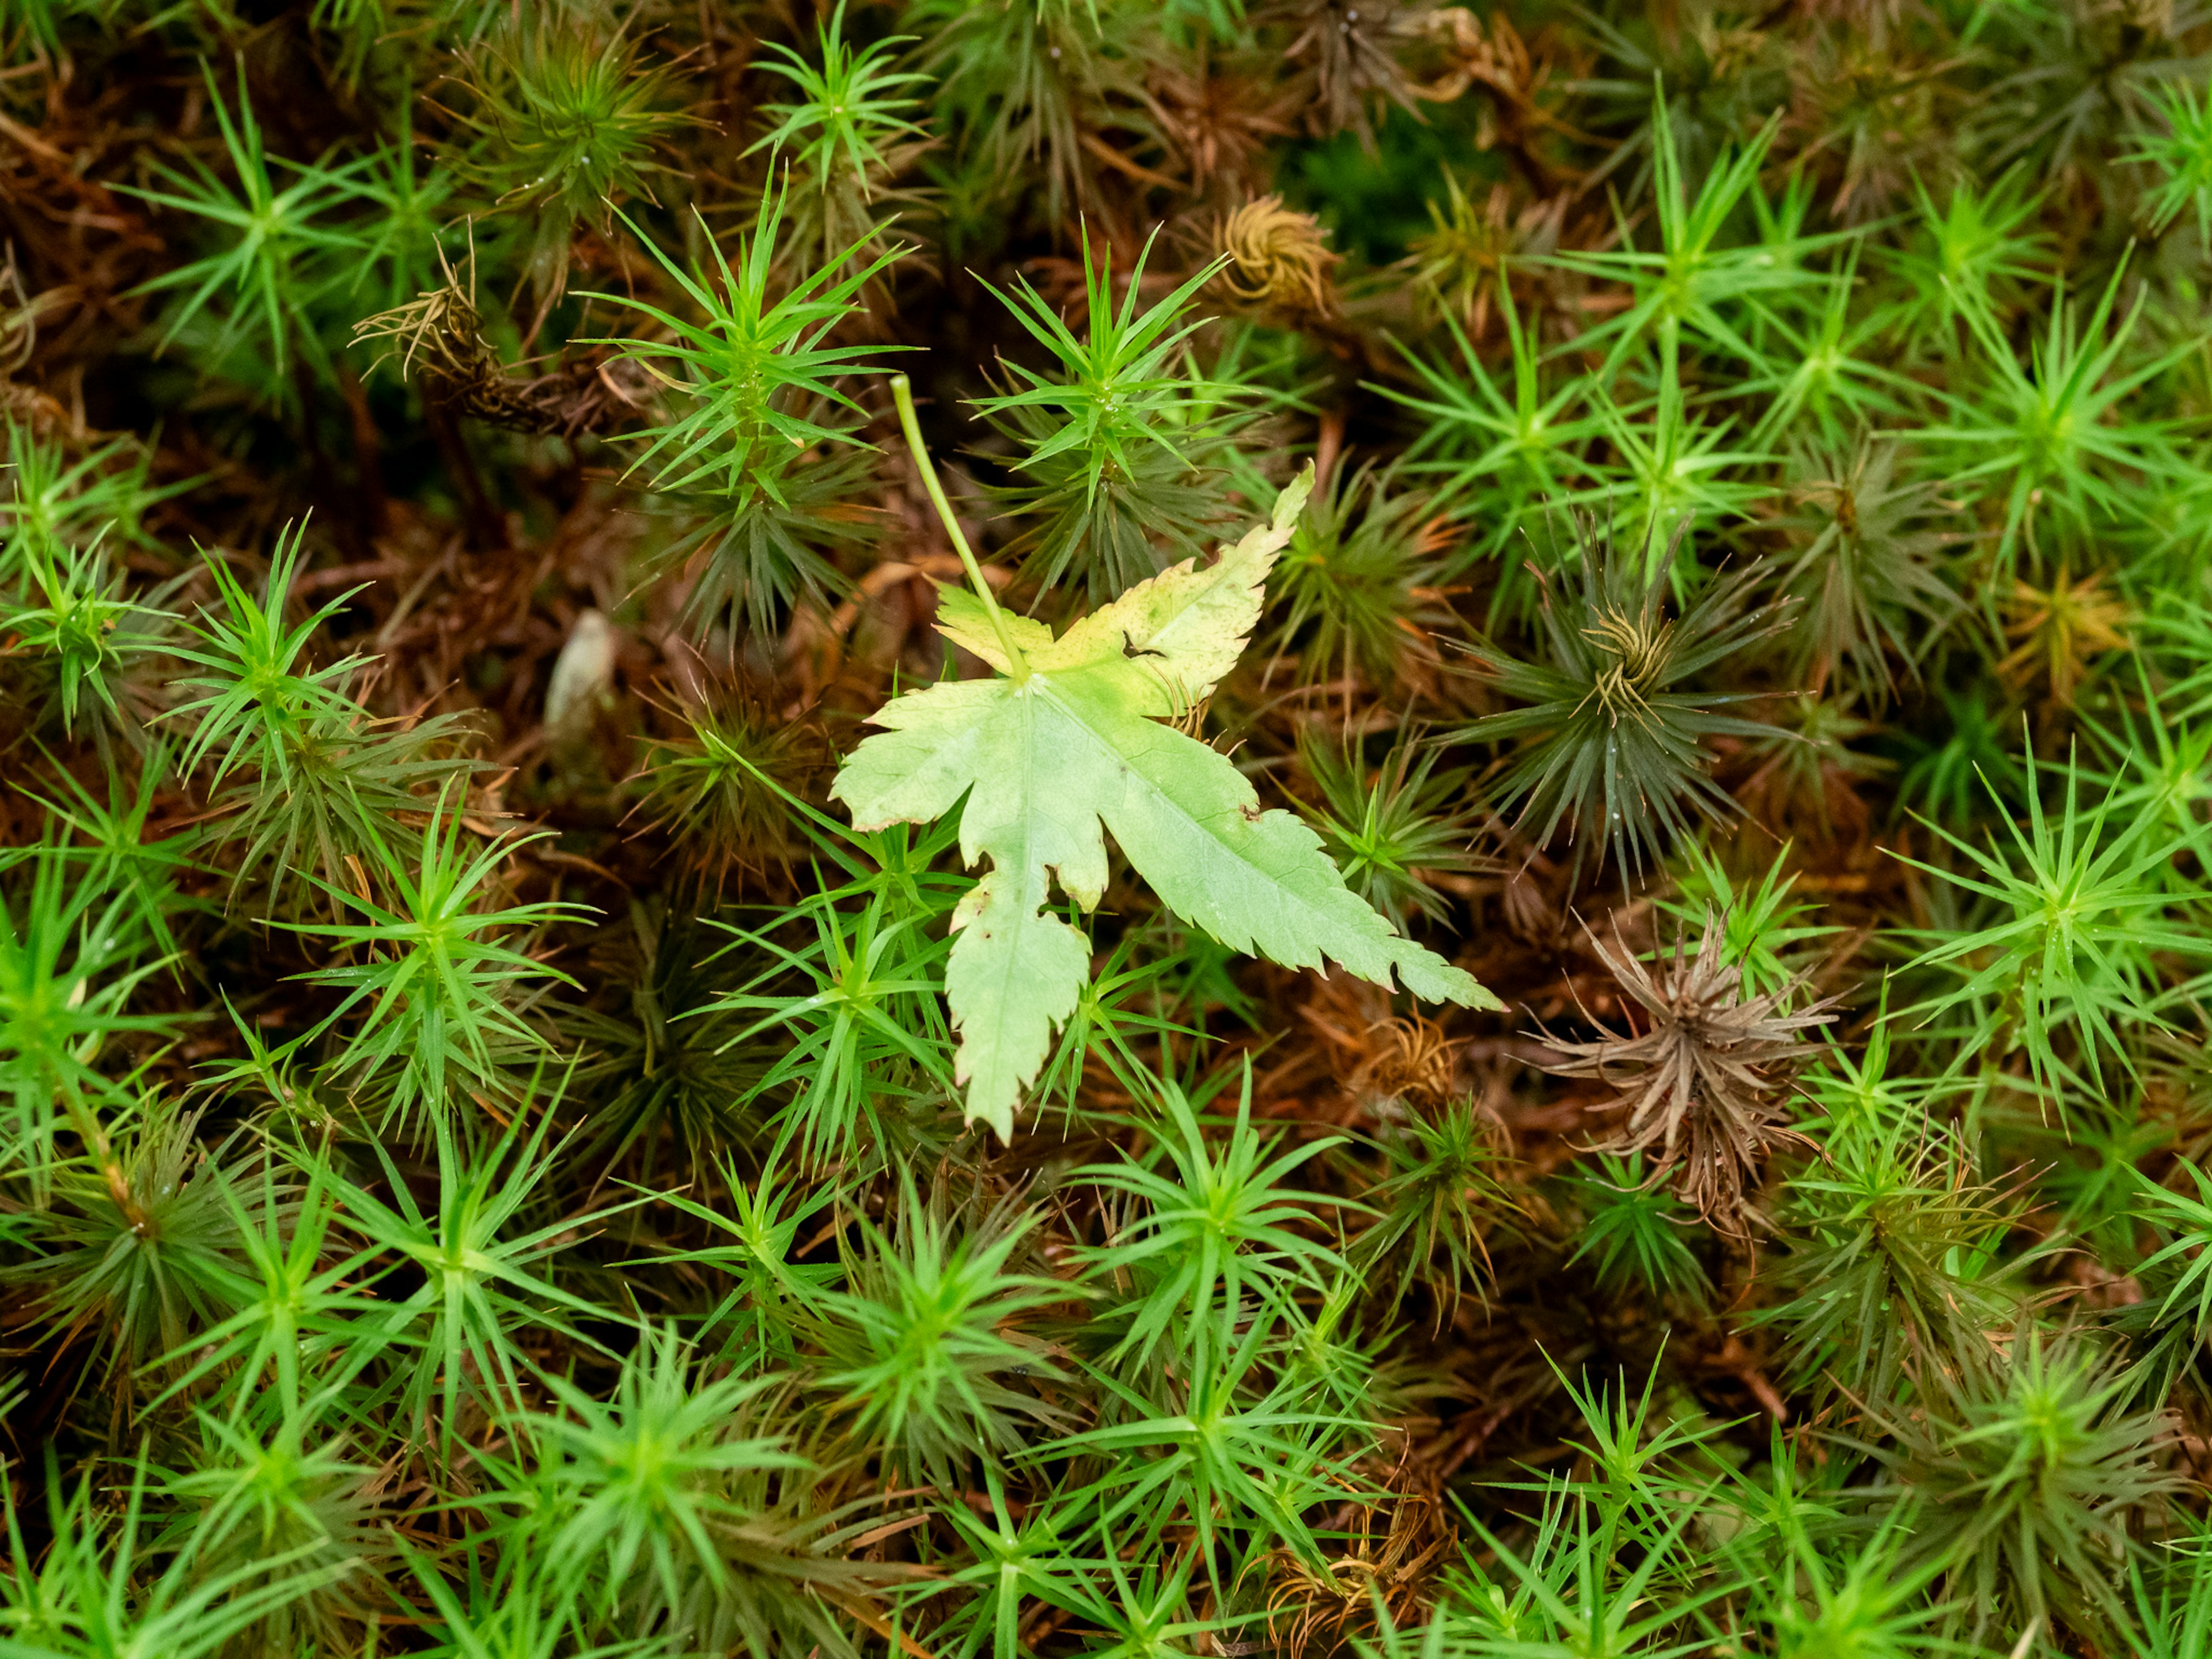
pixel 64 611
pixel 1870 590
pixel 847 135
pixel 1891 1275
pixel 1634 1232
pixel 1442 1199
pixel 929 1347
pixel 140 1250
pixel 1395 830
pixel 2034 1482
pixel 566 123
pixel 724 785
pixel 1116 446
pixel 1356 593
pixel 1608 746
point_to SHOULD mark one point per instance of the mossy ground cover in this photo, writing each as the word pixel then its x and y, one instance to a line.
pixel 1130 827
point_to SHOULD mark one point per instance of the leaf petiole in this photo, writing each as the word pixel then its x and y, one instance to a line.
pixel 903 396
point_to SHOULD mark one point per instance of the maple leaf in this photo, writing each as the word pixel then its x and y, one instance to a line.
pixel 1069 741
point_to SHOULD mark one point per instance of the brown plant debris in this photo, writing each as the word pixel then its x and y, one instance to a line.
pixel 1704 1084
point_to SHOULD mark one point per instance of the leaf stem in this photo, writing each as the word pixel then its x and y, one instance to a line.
pixel 903 395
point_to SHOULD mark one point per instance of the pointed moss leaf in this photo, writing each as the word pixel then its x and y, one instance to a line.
pixel 1045 758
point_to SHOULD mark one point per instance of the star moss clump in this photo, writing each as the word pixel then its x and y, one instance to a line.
pixel 1014 829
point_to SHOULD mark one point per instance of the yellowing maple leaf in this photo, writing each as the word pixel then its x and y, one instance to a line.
pixel 1069 742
